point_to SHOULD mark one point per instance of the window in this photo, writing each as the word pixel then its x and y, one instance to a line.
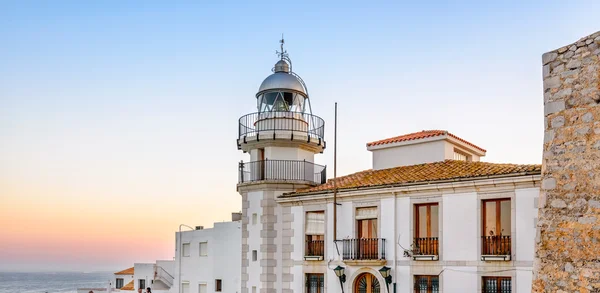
pixel 218 285
pixel 254 255
pixel 315 233
pixel 426 229
pixel 459 156
pixel 496 227
pixel 497 285
pixel 366 230
pixel 203 248
pixel 253 289
pixel 119 283
pixel 254 219
pixel 142 283
pixel 427 284
pixel 314 283
pixel 186 249
pixel 202 288
pixel 185 287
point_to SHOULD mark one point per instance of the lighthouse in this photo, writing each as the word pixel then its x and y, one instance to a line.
pixel 281 138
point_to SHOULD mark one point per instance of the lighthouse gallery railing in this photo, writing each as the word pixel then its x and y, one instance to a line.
pixel 254 124
pixel 286 170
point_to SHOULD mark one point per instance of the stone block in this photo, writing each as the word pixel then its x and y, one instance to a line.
pixel 268 248
pixel 287 277
pixel 268 278
pixel 551 82
pixel 268 263
pixel 288 217
pixel 548 183
pixel 268 233
pixel 554 107
pixel 287 248
pixel 549 57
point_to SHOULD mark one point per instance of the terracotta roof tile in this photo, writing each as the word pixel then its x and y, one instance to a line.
pixel 420 135
pixel 128 287
pixel 445 170
pixel 128 271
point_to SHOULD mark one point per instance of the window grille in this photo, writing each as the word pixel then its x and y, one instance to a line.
pixel 315 283
pixel 497 285
pixel 427 284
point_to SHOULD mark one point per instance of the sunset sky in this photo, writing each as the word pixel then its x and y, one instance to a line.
pixel 118 119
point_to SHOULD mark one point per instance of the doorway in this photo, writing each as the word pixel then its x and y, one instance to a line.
pixel 366 283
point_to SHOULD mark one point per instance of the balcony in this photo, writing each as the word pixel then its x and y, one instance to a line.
pixel 284 125
pixel 426 248
pixel 364 251
pixel 495 248
pixel 303 172
pixel 315 250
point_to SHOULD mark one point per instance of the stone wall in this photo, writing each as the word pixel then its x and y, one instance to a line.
pixel 568 237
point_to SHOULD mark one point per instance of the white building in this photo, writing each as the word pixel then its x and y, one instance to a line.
pixel 209 260
pixel 429 214
pixel 157 276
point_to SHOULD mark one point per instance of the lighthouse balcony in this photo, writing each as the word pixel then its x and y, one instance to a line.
pixel 295 127
pixel 286 171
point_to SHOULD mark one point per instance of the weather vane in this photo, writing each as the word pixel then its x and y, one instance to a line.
pixel 282 54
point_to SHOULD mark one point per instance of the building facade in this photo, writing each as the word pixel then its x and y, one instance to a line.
pixel 428 217
pixel 208 260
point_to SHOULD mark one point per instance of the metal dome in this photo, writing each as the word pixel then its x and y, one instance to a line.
pixel 281 81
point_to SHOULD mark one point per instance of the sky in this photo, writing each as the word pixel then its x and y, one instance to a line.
pixel 118 119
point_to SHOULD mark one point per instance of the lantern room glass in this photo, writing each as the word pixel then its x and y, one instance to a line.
pixel 281 101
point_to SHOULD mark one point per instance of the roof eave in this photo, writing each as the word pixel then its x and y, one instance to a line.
pixel 418 183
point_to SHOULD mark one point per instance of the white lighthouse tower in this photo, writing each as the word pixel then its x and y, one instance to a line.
pixel 282 138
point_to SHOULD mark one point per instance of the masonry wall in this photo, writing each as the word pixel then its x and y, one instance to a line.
pixel 568 240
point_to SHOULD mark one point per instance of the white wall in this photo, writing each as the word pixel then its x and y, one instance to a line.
pixel 288 153
pixel 126 280
pixel 524 276
pixel 526 213
pixel 459 279
pixel 144 271
pixel 223 259
pixel 459 238
pixel 433 151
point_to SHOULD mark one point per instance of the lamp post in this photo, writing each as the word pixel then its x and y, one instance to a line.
pixel 181 255
pixel 385 273
pixel 339 272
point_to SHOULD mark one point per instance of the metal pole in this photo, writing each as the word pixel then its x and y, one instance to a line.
pixel 180 255
pixel 335 177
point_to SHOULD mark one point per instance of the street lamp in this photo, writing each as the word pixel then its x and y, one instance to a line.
pixel 339 272
pixel 181 254
pixel 385 273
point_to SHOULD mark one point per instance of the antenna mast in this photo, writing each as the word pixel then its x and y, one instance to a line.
pixel 335 176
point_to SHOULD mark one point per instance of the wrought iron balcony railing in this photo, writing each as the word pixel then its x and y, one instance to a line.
pixel 282 170
pixel 363 249
pixel 315 248
pixel 426 246
pixel 496 245
pixel 254 124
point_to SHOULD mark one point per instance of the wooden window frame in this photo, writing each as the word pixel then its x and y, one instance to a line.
pixel 320 286
pixel 498 211
pixel 498 280
pixel 428 205
pixel 429 282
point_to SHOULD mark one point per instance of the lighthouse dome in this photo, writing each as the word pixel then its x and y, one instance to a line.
pixel 281 81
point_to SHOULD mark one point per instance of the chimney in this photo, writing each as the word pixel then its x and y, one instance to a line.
pixel 236 217
pixel 199 227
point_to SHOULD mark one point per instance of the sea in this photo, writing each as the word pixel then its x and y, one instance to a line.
pixel 51 282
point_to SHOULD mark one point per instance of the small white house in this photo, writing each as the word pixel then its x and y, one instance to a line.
pixel 209 260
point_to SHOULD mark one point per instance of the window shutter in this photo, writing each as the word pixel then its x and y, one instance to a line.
pixel 366 213
pixel 315 223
